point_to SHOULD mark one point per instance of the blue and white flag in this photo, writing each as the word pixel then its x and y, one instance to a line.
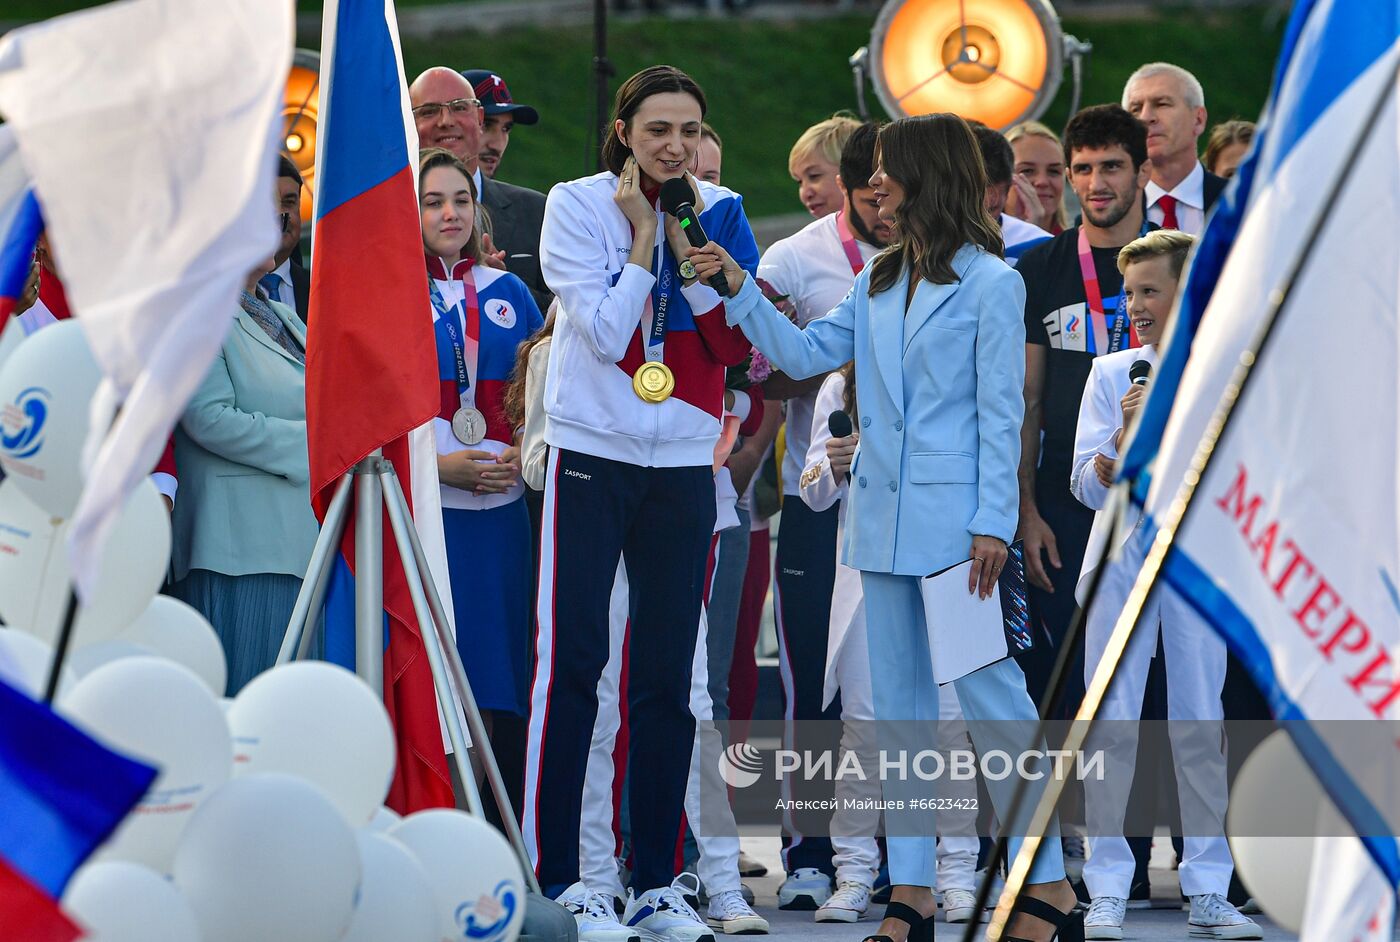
pixel 1292 547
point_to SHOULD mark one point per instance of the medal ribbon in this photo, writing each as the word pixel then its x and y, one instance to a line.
pixel 657 304
pixel 1105 338
pixel 848 243
pixel 465 350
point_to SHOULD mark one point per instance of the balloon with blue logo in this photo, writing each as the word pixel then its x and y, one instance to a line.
pixel 46 386
pixel 474 874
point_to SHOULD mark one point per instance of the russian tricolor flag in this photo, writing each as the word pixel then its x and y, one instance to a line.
pixel 371 367
pixel 63 794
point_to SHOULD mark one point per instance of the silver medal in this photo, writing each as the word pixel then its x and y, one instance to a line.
pixel 469 425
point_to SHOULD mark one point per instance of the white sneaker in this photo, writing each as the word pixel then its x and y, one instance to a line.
pixel 998 884
pixel 847 904
pixel 959 905
pixel 1212 917
pixel 805 889
pixel 751 866
pixel 663 915
pixel 729 913
pixel 1072 847
pixel 1105 918
pixel 596 918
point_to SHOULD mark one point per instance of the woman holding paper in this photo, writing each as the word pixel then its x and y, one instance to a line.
pixel 934 325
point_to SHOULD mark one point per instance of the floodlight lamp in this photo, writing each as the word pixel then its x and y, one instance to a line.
pixel 995 61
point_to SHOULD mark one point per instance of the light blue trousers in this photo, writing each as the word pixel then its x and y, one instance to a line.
pixel 1000 718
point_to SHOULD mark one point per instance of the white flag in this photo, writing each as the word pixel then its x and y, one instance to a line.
pixel 1292 546
pixel 150 129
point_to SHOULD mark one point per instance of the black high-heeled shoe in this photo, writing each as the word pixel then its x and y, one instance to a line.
pixel 920 926
pixel 1069 927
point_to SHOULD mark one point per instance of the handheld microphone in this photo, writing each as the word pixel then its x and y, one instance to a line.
pixel 678 200
pixel 839 424
pixel 1140 372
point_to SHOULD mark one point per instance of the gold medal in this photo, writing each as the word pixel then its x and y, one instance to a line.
pixel 653 382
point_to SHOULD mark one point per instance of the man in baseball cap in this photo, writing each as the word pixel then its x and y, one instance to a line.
pixel 502 113
pixel 517 212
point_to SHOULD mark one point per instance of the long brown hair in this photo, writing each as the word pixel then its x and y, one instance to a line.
pixel 513 403
pixel 430 158
pixel 654 80
pixel 936 160
pixel 848 392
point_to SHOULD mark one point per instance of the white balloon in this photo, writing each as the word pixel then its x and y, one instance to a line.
pixel 90 657
pixel 35 577
pixel 172 629
pixel 395 900
pixel 45 388
pixel 117 901
pixel 158 712
pixel 25 662
pixel 28 544
pixel 1274 790
pixel 268 857
pixel 384 820
pixel 476 877
pixel 320 722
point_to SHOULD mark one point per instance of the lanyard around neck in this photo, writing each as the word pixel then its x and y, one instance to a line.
pixel 1106 338
pixel 465 350
pixel 848 243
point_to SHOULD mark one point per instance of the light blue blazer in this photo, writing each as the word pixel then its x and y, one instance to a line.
pixel 244 504
pixel 940 398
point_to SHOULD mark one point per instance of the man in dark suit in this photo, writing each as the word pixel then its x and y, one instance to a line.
pixel 1170 101
pixel 517 213
pixel 290 281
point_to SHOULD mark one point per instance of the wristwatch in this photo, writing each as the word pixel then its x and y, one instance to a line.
pixel 688 270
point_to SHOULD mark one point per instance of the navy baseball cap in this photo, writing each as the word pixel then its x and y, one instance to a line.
pixel 495 98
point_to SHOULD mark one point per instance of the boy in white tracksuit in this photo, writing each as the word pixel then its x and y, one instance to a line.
pixel 1195 655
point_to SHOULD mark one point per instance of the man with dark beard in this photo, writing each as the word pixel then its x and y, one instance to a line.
pixel 815 269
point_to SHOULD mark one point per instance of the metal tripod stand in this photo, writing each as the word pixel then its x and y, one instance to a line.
pixel 377 485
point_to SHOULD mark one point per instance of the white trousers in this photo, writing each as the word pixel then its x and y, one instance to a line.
pixel 1195 672
pixel 719 843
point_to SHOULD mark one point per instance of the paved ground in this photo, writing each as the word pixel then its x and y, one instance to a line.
pixel 1156 925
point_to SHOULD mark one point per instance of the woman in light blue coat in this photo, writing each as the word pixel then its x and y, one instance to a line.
pixel 935 326
pixel 243 526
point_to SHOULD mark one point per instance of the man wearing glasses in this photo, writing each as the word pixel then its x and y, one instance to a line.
pixel 448 115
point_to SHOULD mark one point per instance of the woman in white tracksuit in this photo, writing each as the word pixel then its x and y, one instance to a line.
pixel 706 802
pixel 848 670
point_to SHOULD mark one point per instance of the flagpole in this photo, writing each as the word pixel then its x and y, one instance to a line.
pixel 369 572
pixel 60 651
pixel 1177 514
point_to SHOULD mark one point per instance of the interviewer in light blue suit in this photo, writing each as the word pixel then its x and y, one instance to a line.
pixel 939 360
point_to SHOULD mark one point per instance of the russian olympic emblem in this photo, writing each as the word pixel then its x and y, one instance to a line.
pixel 22 423
pixel 486 918
pixel 501 313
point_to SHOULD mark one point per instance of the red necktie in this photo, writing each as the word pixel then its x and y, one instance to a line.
pixel 1168 205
